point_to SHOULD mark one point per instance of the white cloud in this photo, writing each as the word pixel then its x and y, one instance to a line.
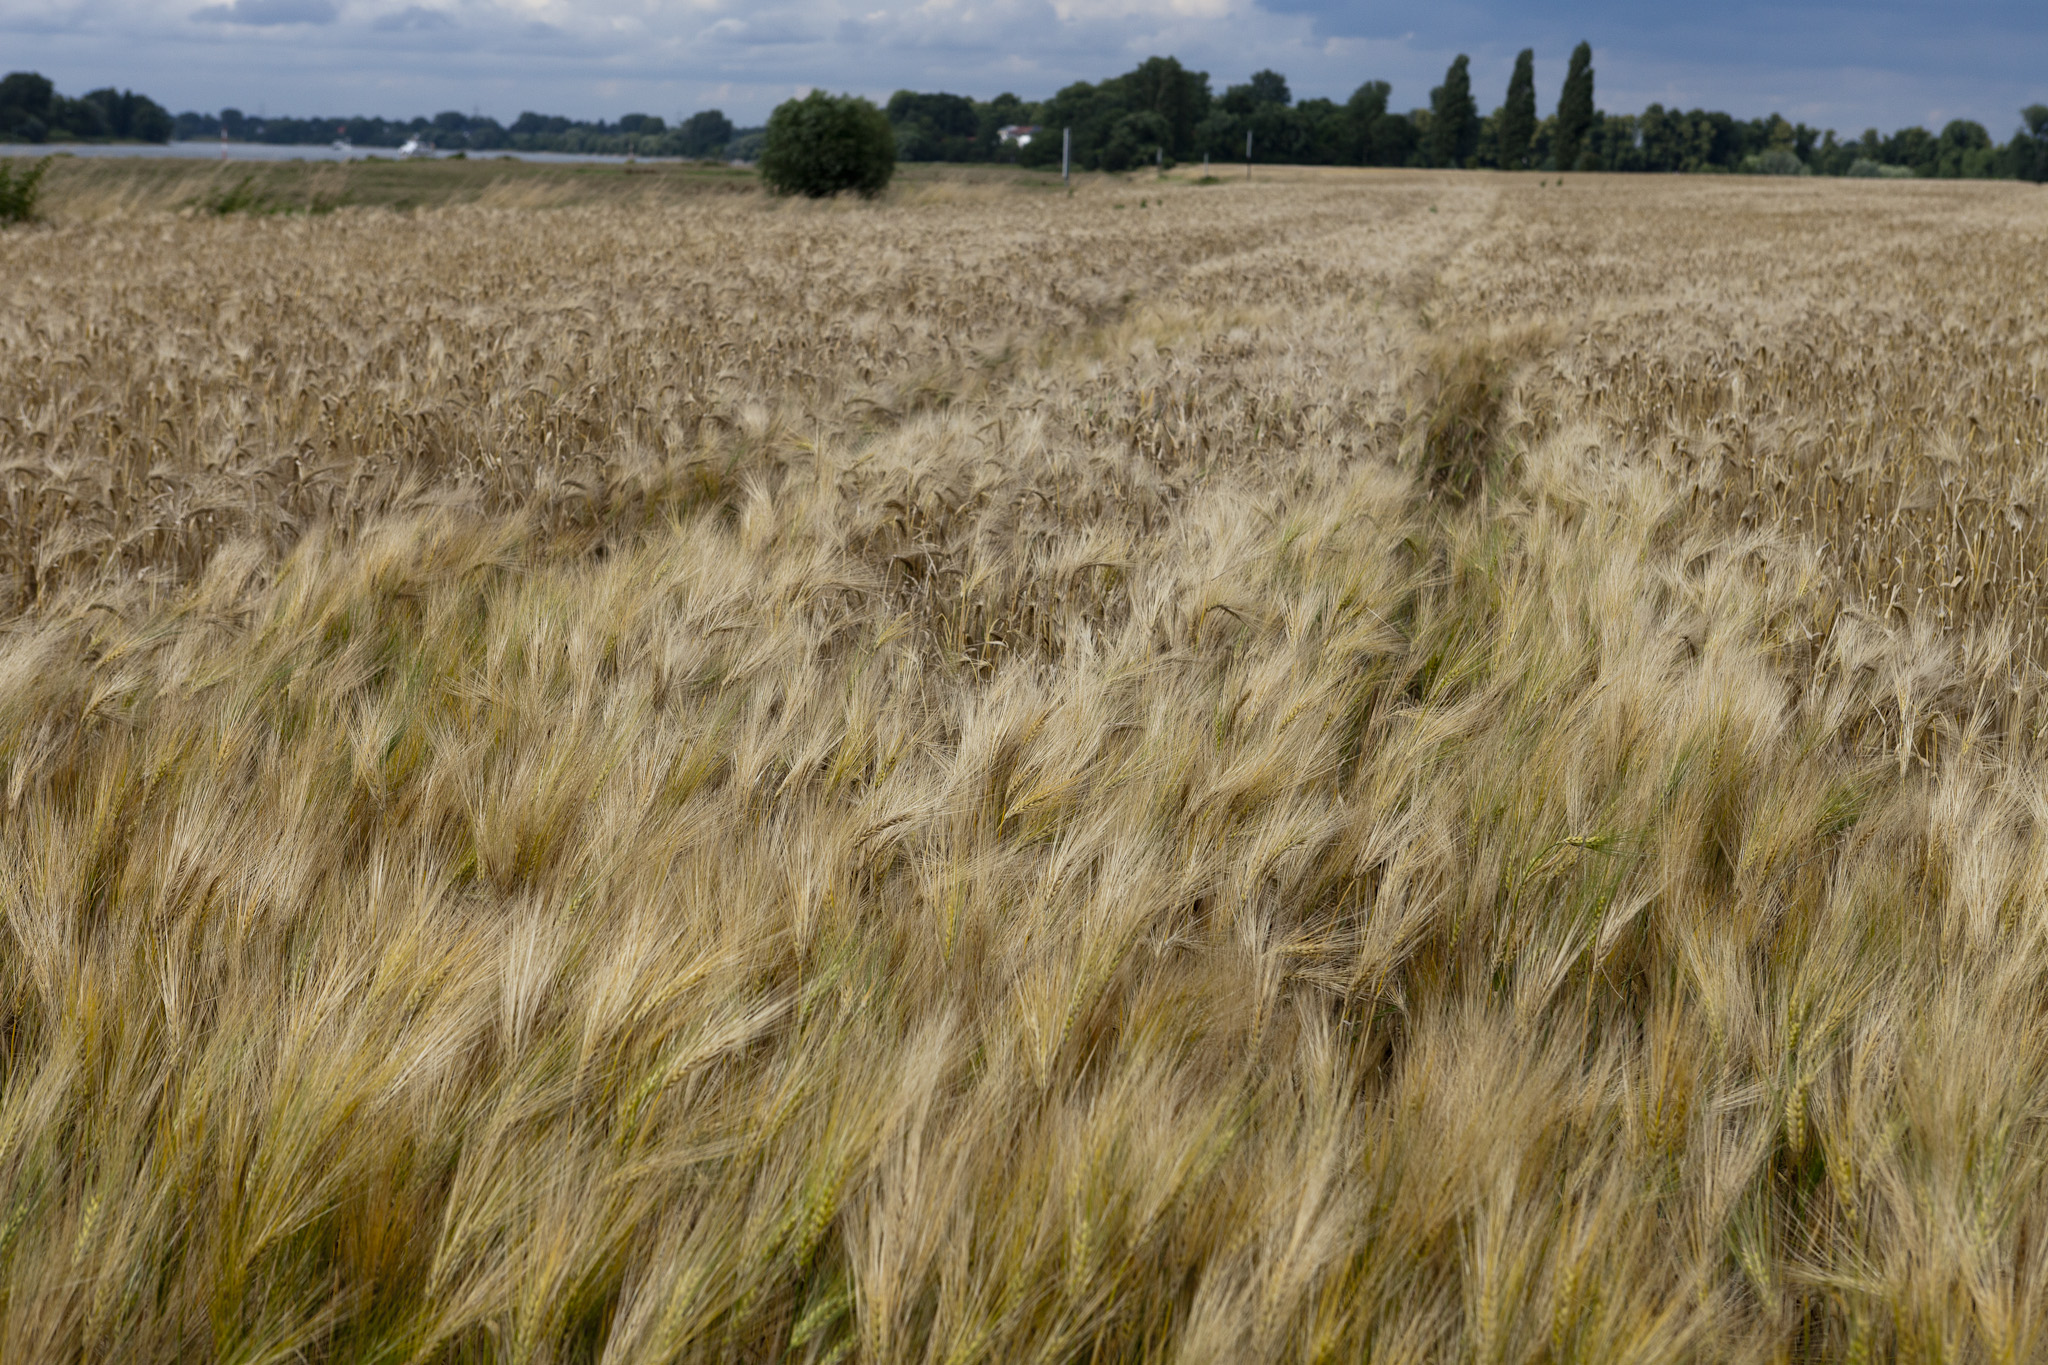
pixel 1097 11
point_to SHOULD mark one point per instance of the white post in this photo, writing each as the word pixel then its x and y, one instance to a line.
pixel 1066 154
pixel 1247 153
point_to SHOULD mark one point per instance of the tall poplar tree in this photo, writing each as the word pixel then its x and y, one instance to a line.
pixel 1518 116
pixel 1454 116
pixel 1575 108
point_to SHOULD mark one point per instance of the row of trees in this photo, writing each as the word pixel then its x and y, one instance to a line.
pixel 708 133
pixel 1157 111
pixel 1162 111
pixel 31 110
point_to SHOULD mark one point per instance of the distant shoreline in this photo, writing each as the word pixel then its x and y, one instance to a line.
pixel 212 149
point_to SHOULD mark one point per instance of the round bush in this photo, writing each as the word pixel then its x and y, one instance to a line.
pixel 822 144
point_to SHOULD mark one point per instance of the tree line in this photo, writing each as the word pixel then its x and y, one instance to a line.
pixel 1161 112
pixel 1157 112
pixel 31 110
pixel 708 133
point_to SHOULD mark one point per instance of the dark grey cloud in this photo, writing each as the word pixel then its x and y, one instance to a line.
pixel 269 13
pixel 1738 30
pixel 1895 60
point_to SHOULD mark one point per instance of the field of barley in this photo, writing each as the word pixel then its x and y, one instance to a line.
pixel 1361 766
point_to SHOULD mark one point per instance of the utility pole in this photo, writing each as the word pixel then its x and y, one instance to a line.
pixel 1066 156
pixel 1247 153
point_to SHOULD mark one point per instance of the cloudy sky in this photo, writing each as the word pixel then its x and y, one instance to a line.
pixel 1847 66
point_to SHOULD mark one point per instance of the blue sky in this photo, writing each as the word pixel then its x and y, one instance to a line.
pixel 1887 63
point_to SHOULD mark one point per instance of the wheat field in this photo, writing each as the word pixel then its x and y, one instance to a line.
pixel 1361 766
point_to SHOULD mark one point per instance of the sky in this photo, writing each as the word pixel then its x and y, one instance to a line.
pixel 1883 63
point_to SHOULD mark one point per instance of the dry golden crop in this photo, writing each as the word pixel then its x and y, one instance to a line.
pixel 1354 767
pixel 1865 370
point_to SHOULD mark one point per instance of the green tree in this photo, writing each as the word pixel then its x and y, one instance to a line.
pixel 1663 136
pixel 1395 139
pixel 82 119
pixel 822 144
pixel 1125 119
pixel 1135 139
pixel 1914 147
pixel 705 133
pixel 2033 151
pixel 1518 116
pixel 1162 86
pixel 1263 107
pixel 126 114
pixel 1265 87
pixel 1090 111
pixel 999 113
pixel 1966 151
pixel 935 127
pixel 1322 133
pixel 25 106
pixel 1574 109
pixel 1362 115
pixel 1454 118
